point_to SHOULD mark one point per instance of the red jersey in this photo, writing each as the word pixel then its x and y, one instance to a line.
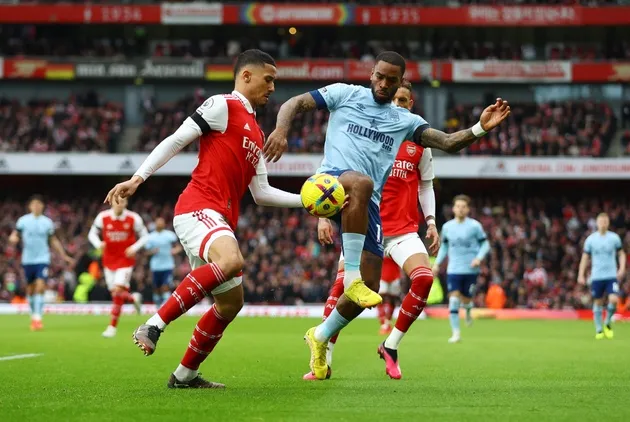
pixel 399 204
pixel 117 234
pixel 230 149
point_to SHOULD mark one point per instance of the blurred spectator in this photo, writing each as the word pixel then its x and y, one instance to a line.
pixel 82 123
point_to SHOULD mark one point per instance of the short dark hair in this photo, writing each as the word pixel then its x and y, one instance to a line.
pixel 253 56
pixel 407 85
pixel 464 198
pixel 394 58
pixel 36 198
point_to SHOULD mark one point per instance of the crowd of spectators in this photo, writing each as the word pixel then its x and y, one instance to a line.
pixel 536 244
pixel 30 40
pixel 584 128
pixel 80 123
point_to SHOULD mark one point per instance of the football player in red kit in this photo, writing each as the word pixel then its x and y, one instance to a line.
pixel 409 183
pixel 206 214
pixel 120 233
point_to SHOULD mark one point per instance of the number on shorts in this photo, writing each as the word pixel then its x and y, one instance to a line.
pixel 615 287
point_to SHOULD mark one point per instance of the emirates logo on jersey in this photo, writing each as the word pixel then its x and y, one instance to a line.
pixel 401 168
pixel 411 149
pixel 252 151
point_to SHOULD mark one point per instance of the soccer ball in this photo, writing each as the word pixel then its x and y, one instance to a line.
pixel 322 195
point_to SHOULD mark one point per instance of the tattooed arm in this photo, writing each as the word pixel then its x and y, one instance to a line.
pixel 277 143
pixel 449 142
pixel 490 118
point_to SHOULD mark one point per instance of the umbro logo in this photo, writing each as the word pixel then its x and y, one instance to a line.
pixel 360 106
pixel 246 127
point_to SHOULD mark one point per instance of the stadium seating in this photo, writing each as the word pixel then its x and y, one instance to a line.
pixel 80 123
pixel 536 247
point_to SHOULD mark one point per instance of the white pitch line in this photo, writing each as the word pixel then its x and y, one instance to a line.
pixel 26 356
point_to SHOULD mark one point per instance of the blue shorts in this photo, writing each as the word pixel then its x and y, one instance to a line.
pixel 33 272
pixel 162 278
pixel 607 287
pixel 463 283
pixel 374 237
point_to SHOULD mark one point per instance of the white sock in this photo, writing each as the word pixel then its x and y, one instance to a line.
pixel 36 317
pixel 394 339
pixel 157 321
pixel 349 276
pixel 329 353
pixel 456 332
pixel 184 374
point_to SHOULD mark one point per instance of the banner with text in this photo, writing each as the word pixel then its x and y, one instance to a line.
pixel 305 165
pixel 511 71
pixel 192 13
pixel 297 14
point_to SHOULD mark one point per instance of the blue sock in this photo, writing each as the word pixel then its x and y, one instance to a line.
pixel 38 300
pixel 31 303
pixel 468 307
pixel 453 316
pixel 165 296
pixel 598 310
pixel 157 299
pixel 333 324
pixel 352 249
pixel 611 311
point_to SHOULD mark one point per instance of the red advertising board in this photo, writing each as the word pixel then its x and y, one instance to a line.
pixel 296 14
pixel 492 16
pixel 511 71
pixel 75 13
pixel 601 72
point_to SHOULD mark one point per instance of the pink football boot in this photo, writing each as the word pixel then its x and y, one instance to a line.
pixel 390 357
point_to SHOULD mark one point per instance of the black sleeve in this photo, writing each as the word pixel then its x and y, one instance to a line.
pixel 417 135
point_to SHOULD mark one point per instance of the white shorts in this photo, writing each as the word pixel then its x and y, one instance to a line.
pixel 197 231
pixel 391 288
pixel 400 248
pixel 118 278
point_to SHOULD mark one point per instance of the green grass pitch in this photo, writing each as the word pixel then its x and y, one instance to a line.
pixel 502 371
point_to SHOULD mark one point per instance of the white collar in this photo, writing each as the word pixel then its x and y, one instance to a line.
pixel 244 100
pixel 122 216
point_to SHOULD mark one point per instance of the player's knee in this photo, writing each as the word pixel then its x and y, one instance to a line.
pixel 357 185
pixel 231 264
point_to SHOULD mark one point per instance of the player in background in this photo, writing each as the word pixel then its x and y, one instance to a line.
pixel 365 131
pixel 602 249
pixel 207 211
pixel 162 246
pixel 120 233
pixel 465 244
pixel 37 233
pixel 409 184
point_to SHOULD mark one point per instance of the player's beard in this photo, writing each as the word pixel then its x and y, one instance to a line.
pixel 379 100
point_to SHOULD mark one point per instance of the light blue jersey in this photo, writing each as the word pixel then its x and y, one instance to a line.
pixel 35 233
pixel 603 250
pixel 462 242
pixel 363 135
pixel 163 242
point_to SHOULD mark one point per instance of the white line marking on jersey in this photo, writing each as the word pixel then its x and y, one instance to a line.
pixel 26 356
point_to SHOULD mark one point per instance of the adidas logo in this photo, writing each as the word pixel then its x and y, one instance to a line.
pixel 246 126
pixel 126 165
pixel 64 164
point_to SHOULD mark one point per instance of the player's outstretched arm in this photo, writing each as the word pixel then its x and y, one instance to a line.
pixel 491 117
pixel 276 143
pixel 266 195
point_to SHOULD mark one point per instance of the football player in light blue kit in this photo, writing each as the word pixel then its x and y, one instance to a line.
pixel 364 133
pixel 36 231
pixel 603 248
pixel 162 246
pixel 466 245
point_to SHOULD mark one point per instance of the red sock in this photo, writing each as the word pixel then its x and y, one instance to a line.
pixel 389 311
pixel 206 335
pixel 193 288
pixel 415 301
pixel 119 301
pixel 335 293
pixel 381 311
pixel 126 296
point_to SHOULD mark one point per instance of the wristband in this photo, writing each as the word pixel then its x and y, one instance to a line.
pixel 477 130
pixel 431 221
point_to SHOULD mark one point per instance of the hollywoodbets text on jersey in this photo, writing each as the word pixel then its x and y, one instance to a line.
pixel 373 135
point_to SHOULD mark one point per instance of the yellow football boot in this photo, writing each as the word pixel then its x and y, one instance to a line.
pixel 362 295
pixel 318 364
pixel 599 336
pixel 608 332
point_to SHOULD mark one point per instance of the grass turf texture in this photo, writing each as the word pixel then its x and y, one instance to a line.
pixel 503 370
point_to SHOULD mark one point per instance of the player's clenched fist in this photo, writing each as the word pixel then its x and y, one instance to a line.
pixel 123 190
pixel 493 115
pixel 276 145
